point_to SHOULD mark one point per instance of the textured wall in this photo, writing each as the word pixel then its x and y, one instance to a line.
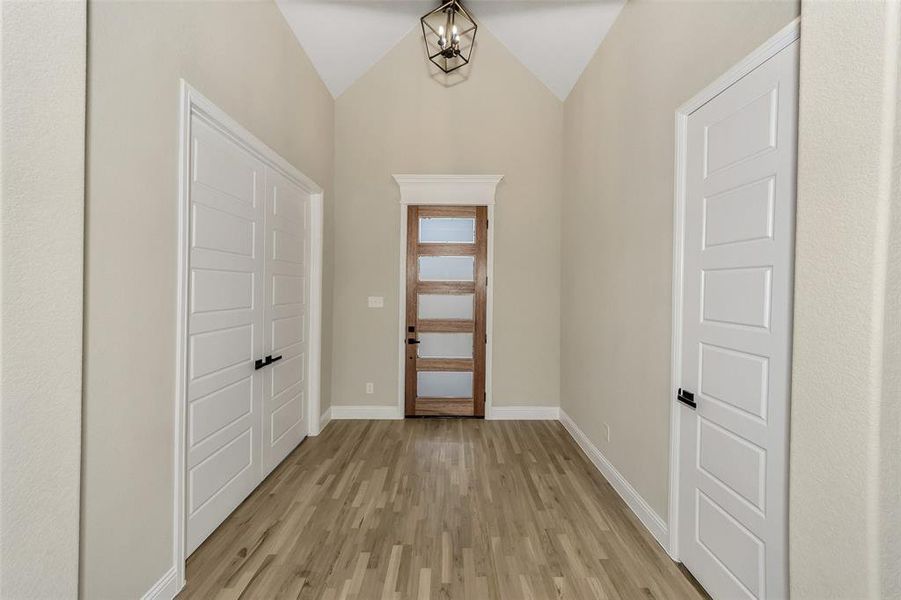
pixel 399 119
pixel 41 260
pixel 243 57
pixel 617 258
pixel 846 432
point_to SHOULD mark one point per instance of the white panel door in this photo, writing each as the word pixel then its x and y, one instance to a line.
pixel 287 318
pixel 225 329
pixel 736 323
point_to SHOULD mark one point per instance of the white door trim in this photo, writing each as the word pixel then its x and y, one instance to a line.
pixel 444 190
pixel 193 102
pixel 786 36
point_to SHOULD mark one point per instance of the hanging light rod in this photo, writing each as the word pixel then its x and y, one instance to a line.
pixel 449 33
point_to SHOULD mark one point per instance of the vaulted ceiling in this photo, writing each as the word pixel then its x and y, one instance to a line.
pixel 553 39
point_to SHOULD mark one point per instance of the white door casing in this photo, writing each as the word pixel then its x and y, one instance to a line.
pixel 225 329
pixel 735 321
pixel 249 286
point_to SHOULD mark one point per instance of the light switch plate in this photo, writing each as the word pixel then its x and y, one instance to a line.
pixel 376 302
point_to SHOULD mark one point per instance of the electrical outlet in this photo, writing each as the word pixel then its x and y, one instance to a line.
pixel 607 432
pixel 370 389
pixel 376 301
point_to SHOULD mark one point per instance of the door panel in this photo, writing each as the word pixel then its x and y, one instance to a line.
pixel 736 343
pixel 446 306
pixel 447 230
pixel 225 329
pixel 447 268
pixel 287 252
pixel 446 295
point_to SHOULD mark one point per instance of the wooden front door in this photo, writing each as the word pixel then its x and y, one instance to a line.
pixel 447 279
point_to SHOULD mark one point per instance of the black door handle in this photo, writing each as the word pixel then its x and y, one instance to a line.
pixel 265 362
pixel 412 341
pixel 687 398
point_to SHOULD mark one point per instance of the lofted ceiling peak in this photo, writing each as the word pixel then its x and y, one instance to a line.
pixel 554 40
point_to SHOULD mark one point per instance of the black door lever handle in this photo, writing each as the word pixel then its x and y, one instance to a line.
pixel 412 341
pixel 265 362
pixel 687 398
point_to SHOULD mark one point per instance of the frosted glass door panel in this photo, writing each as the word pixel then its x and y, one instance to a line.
pixel 447 268
pixel 444 384
pixel 440 230
pixel 445 345
pixel 446 306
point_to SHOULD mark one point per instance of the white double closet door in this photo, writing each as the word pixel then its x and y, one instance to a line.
pixel 248 293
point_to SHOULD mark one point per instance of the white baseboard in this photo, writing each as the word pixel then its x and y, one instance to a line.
pixel 165 589
pixel 651 520
pixel 324 419
pixel 366 412
pixel 523 413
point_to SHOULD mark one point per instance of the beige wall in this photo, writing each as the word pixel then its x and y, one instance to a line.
pixel 617 218
pixel 41 260
pixel 399 119
pixel 845 519
pixel 244 58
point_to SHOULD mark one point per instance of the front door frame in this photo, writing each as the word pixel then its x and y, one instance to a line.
pixel 785 37
pixel 444 190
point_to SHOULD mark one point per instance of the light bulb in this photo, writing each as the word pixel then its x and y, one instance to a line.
pixel 454 31
pixel 441 31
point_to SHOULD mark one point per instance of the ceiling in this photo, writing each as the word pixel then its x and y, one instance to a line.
pixel 553 39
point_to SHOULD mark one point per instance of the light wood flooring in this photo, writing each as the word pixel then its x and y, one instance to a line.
pixel 435 509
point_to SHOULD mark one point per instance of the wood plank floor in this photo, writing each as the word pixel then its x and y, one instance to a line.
pixel 435 509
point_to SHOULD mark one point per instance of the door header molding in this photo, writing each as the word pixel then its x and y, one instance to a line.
pixel 455 190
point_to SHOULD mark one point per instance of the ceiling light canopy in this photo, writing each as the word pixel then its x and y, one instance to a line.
pixel 449 33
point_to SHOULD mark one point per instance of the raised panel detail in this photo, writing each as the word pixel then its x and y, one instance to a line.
pixel 286 416
pixel 220 290
pixel 287 247
pixel 289 203
pixel 738 296
pixel 218 230
pixel 222 166
pixel 286 373
pixel 287 289
pixel 216 350
pixel 733 461
pixel 210 476
pixel 212 412
pixel 747 132
pixel 736 378
pixel 286 332
pixel 742 214
pixel 731 544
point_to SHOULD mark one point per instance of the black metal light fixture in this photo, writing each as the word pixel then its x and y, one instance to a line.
pixel 449 32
